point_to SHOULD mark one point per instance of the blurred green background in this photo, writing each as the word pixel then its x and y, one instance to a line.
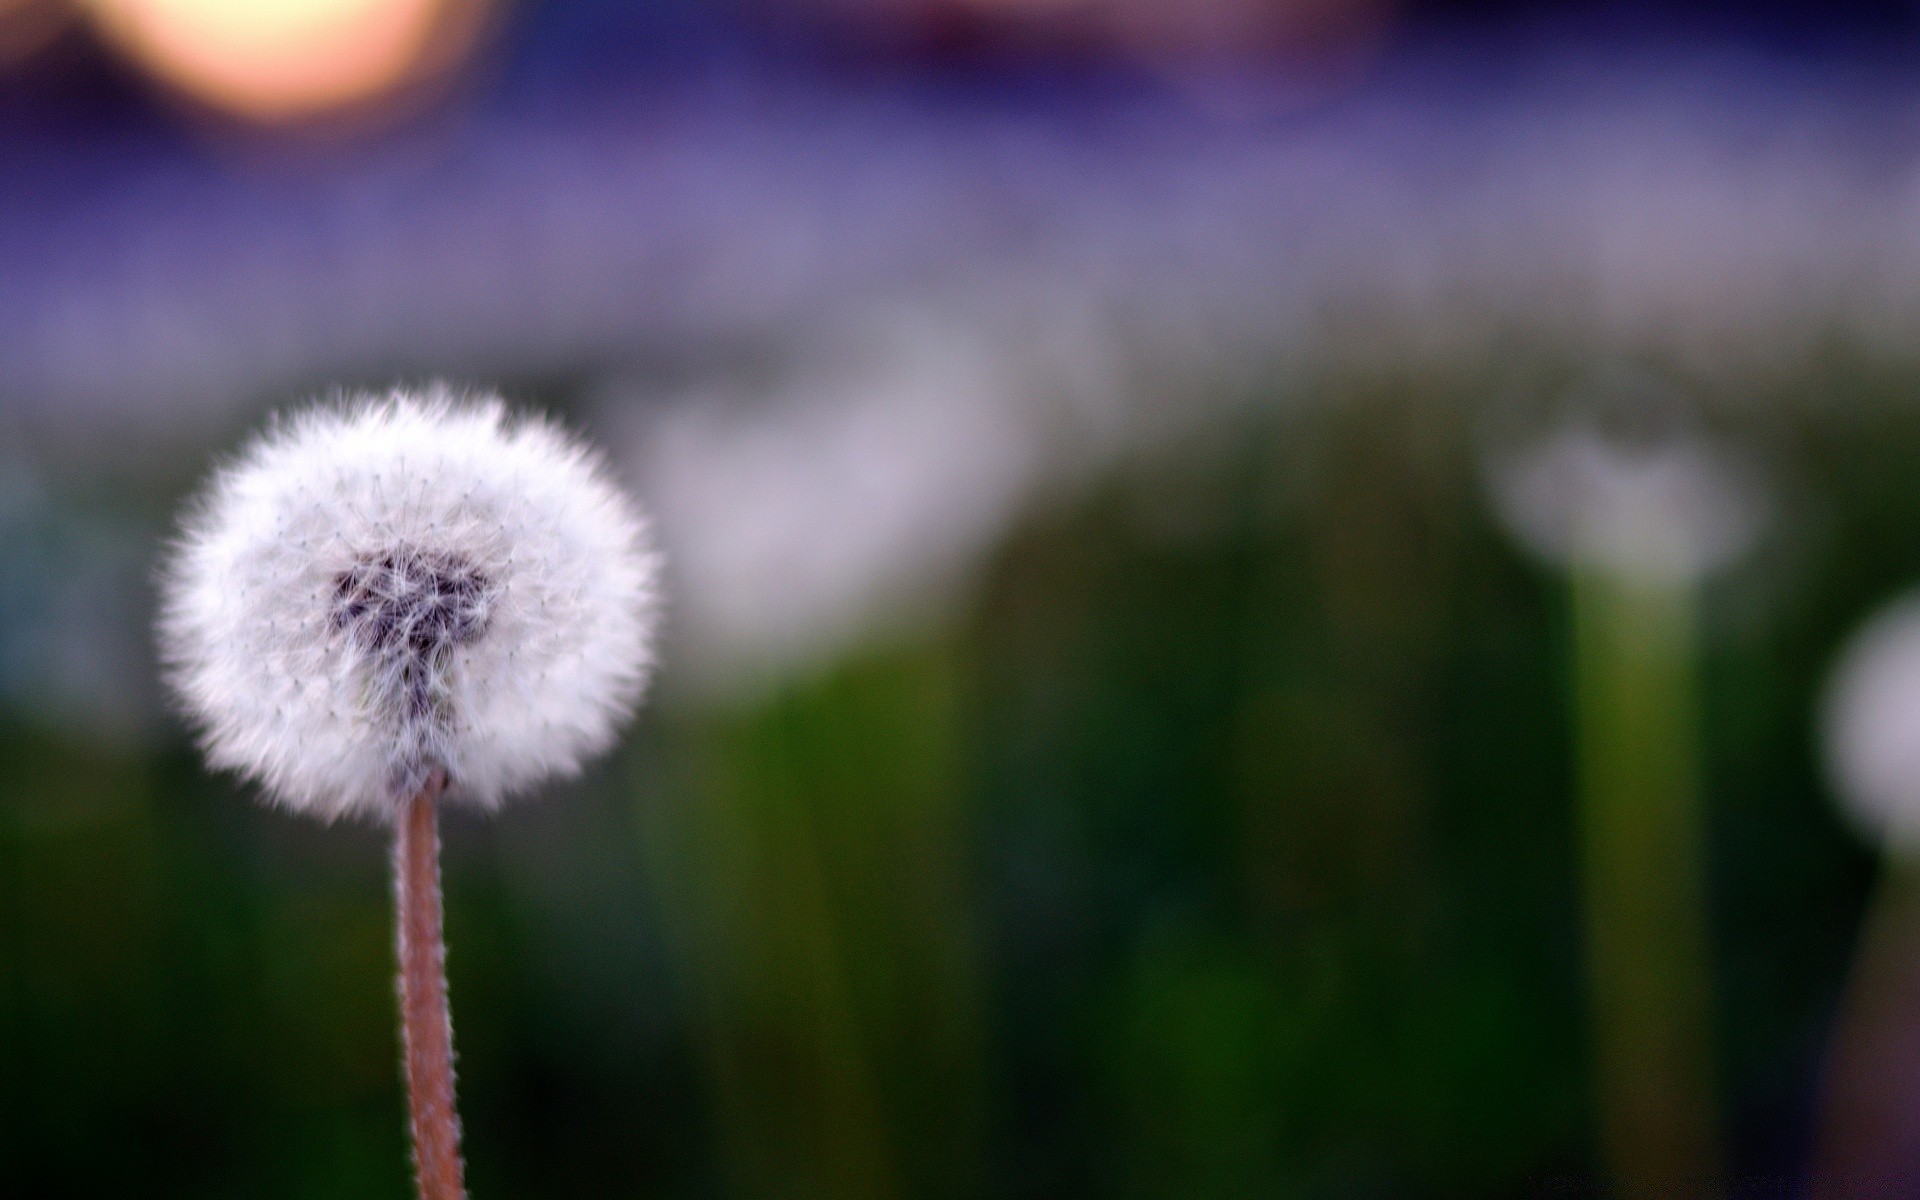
pixel 1220 842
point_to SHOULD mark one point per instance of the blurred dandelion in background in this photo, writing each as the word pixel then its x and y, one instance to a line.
pixel 1870 723
pixel 859 485
pixel 1638 509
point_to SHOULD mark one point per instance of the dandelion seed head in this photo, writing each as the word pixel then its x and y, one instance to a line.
pixel 388 585
pixel 1669 511
pixel 1871 726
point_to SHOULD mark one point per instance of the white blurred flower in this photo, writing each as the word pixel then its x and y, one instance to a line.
pixel 1665 510
pixel 384 587
pixel 848 491
pixel 1870 718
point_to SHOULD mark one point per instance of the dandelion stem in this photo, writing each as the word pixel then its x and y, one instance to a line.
pixel 1869 1136
pixel 426 1029
pixel 1647 953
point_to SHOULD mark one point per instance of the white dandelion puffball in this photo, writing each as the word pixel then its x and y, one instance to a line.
pixel 388 586
pixel 1667 512
pixel 1871 726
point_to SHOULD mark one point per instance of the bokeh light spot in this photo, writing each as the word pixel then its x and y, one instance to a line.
pixel 280 60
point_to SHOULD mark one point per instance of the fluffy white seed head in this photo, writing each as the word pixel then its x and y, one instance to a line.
pixel 386 586
pixel 1664 512
pixel 1871 725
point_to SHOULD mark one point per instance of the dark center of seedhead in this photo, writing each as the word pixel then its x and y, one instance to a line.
pixel 411 601
pixel 407 608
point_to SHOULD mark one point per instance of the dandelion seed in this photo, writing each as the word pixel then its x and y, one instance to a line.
pixel 391 585
pixel 394 599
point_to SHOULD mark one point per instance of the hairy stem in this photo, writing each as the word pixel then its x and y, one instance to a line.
pixel 425 1026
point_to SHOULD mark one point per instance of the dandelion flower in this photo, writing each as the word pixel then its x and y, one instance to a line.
pixel 1871 726
pixel 1665 512
pixel 392 599
pixel 1639 508
pixel 386 586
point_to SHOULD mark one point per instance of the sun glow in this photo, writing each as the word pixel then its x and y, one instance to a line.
pixel 275 60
